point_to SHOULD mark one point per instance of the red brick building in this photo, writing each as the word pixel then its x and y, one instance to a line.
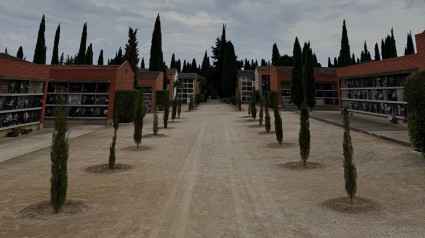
pixel 150 81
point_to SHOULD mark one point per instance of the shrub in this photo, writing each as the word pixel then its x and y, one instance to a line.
pixel 260 116
pixel 124 105
pixel 179 109
pixel 304 134
pixel 161 97
pixel 278 123
pixel 59 158
pixel 414 90
pixel 267 118
pixel 166 112
pixel 138 119
pixel 155 122
pixel 116 124
pixel 174 111
pixel 253 105
pixel 350 172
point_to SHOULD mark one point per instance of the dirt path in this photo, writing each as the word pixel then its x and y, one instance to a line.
pixel 216 175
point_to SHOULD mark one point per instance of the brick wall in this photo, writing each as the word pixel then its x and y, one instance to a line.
pixel 420 48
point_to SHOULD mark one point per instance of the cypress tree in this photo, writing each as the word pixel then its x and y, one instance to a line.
pixel 329 63
pixel 89 55
pixel 119 58
pixel 253 105
pixel 350 172
pixel 365 55
pixel 276 58
pixel 249 106
pixel 166 111
pixel 267 118
pixel 344 53
pixel 260 119
pixel 132 52
pixel 308 77
pixel 263 62
pixel 179 66
pixel 218 55
pixel 156 60
pixel 61 60
pixel 278 123
pixel 59 160
pixel 173 62
pixel 229 73
pixel 304 134
pixel 5 50
pixel 40 47
pixel 297 91
pixel 155 122
pixel 138 118
pixel 179 108
pixel 393 48
pixel 335 62
pixel 100 59
pixel 55 55
pixel 353 59
pixel 142 65
pixel 116 124
pixel 174 112
pixel 20 53
pixel 205 68
pixel 377 55
pixel 410 49
pixel 81 58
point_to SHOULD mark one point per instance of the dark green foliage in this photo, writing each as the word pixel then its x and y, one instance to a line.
pixel 55 55
pixel 155 122
pixel 228 76
pixel 142 65
pixel 132 52
pixel 20 53
pixel 81 58
pixel 388 46
pixel 410 49
pixel 304 134
pixel 249 107
pixel 329 63
pixel 62 58
pixel 161 97
pixel 100 59
pixel 173 63
pixel 199 98
pixel 267 117
pixel 179 108
pixel 350 172
pixel 253 105
pixel 276 58
pixel 377 55
pixel 308 77
pixel 297 88
pixel 278 123
pixel 218 55
pixel 344 54
pixel 174 112
pixel 116 124
pixel 59 161
pixel 156 61
pixel 89 55
pixel 124 105
pixel 365 55
pixel 40 47
pixel 414 89
pixel 205 68
pixel 138 118
pixel 166 111
pixel 191 103
pixel 260 116
pixel 271 98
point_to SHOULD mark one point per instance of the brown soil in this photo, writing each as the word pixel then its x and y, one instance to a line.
pixel 300 165
pixel 44 211
pixel 277 145
pixel 154 136
pixel 265 132
pixel 359 205
pixel 135 148
pixel 168 127
pixel 174 121
pixel 256 126
pixel 104 168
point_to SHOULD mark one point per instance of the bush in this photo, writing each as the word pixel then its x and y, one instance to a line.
pixel 414 90
pixel 124 105
pixel 161 97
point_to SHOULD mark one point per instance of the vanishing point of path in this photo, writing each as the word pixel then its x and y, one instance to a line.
pixel 216 174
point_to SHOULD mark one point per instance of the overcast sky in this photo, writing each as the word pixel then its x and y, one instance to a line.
pixel 191 27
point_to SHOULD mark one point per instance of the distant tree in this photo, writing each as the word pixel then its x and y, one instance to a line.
pixel 179 66
pixel 260 119
pixel 156 61
pixel 276 58
pixel 304 134
pixel 297 88
pixel 377 55
pixel 393 48
pixel 253 105
pixel 218 52
pixel 267 118
pixel 344 53
pixel 89 55
pixel 81 59
pixel 20 53
pixel 174 112
pixel 59 160
pixel 205 68
pixel 155 122
pixel 100 59
pixel 55 54
pixel 365 55
pixel 142 65
pixel 228 77
pixel 138 118
pixel 287 60
pixel 335 62
pixel 5 50
pixel 173 62
pixel 350 172
pixel 308 77
pixel 40 47
pixel 62 59
pixel 329 63
pixel 116 123
pixel 278 123
pixel 132 52
pixel 410 49
pixel 166 111
pixel 353 59
pixel 263 62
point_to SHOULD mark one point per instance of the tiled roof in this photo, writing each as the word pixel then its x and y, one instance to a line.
pixel 172 71
pixel 83 67
pixel 147 75
pixel 10 57
pixel 283 69
pixel 188 75
pixel 403 63
pixel 246 73
pixel 317 70
pixel 263 68
pixel 23 70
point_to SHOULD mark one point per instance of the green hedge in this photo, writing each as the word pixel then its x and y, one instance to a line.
pixel 199 98
pixel 271 98
pixel 124 104
pixel 161 98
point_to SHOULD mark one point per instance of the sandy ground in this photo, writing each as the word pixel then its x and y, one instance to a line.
pixel 215 175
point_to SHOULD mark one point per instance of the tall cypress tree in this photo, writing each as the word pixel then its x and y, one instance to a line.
pixel 393 48
pixel 100 59
pixel 156 60
pixel 40 47
pixel 304 134
pixel 344 53
pixel 81 58
pixel 218 52
pixel 365 55
pixel 329 63
pixel 410 49
pixel 179 66
pixel 89 55
pixel 308 77
pixel 132 52
pixel 142 65
pixel 297 91
pixel 205 68
pixel 228 77
pixel 377 56
pixel 173 62
pixel 335 62
pixel 55 55
pixel 383 50
pixel 20 53
pixel 276 58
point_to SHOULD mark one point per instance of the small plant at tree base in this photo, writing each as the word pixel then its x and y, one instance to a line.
pixel 138 119
pixel 179 109
pixel 350 172
pixel 155 122
pixel 174 112
pixel 166 112
pixel 253 105
pixel 260 116
pixel 116 124
pixel 278 123
pixel 267 118
pixel 59 158
pixel 304 134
